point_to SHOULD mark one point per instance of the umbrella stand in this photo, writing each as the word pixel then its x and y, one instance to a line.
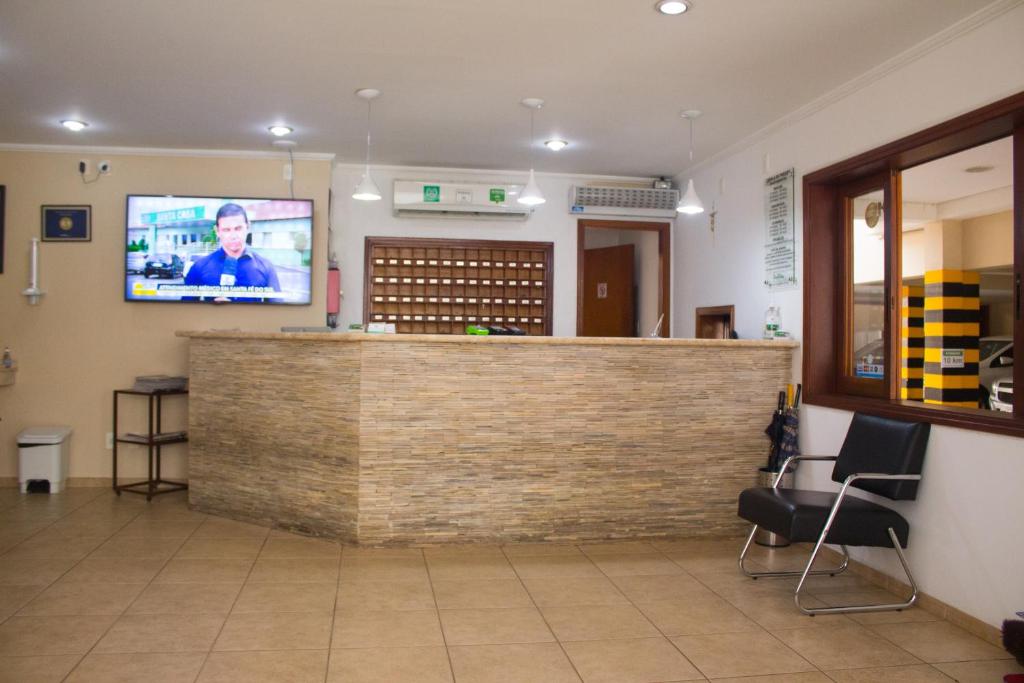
pixel 784 434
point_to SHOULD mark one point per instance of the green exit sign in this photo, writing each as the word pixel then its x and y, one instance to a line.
pixel 432 193
pixel 498 195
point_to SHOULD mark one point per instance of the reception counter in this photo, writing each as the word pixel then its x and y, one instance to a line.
pixel 420 439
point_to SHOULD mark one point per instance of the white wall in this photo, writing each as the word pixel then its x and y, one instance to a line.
pixel 352 221
pixel 967 533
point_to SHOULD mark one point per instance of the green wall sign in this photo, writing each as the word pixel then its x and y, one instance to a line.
pixel 432 193
pixel 498 195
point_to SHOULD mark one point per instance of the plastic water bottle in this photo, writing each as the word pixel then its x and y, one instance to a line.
pixel 772 317
pixel 8 362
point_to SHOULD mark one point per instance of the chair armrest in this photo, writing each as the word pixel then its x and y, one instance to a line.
pixel 794 458
pixel 877 475
pixel 854 477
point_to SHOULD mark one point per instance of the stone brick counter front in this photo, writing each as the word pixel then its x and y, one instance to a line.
pixel 421 439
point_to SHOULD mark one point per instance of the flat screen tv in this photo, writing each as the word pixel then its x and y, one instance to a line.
pixel 218 249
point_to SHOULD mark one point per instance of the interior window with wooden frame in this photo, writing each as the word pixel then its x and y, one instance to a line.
pixel 913 261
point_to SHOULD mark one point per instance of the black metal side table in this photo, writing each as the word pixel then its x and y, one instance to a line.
pixel 154 439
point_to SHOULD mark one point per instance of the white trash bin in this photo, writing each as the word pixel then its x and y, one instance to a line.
pixel 43 456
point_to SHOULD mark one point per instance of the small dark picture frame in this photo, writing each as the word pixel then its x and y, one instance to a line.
pixel 67 223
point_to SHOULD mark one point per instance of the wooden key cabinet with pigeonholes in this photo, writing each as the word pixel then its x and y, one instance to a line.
pixel 441 286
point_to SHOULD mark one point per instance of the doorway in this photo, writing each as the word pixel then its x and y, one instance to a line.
pixel 715 322
pixel 623 278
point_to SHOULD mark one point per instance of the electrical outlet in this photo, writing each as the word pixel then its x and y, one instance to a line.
pixel 110 440
pixel 287 173
pixel 103 167
pixel 84 167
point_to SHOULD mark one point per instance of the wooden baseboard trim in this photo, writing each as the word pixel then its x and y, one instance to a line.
pixel 928 603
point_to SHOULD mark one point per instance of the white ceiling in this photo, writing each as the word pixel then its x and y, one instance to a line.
pixel 946 179
pixel 214 74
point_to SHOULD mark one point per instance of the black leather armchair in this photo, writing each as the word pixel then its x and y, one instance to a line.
pixel 880 456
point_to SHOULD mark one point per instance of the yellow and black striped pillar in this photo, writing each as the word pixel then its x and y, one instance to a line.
pixel 912 344
pixel 952 321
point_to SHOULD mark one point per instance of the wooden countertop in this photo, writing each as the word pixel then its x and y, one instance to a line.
pixel 356 337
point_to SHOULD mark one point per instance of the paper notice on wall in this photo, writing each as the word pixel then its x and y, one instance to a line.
pixel 780 234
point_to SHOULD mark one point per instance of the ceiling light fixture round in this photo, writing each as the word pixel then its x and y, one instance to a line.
pixel 280 131
pixel 978 169
pixel 73 125
pixel 672 7
pixel 556 145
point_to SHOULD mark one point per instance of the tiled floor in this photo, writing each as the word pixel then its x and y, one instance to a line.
pixel 95 588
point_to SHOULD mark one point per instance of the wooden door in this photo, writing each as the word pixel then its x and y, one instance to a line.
pixel 715 322
pixel 608 305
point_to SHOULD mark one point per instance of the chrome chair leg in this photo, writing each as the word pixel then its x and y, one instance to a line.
pixel 782 574
pixel 848 609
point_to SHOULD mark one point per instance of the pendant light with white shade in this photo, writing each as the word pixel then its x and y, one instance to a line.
pixel 531 194
pixel 690 203
pixel 367 190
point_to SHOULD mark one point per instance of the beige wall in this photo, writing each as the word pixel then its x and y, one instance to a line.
pixel 988 241
pixel 971 244
pixel 82 341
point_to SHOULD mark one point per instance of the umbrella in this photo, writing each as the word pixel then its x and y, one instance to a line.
pixel 774 430
pixel 784 432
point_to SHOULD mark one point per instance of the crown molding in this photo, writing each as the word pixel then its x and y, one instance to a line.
pixel 914 53
pixel 449 171
pixel 164 152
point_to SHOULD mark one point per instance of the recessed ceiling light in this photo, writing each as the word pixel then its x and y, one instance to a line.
pixel 280 130
pixel 672 7
pixel 978 169
pixel 76 126
pixel 556 145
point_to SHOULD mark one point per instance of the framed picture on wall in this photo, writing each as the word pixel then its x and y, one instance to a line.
pixel 67 223
pixel 3 193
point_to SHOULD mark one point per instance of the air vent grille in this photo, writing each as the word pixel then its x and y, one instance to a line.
pixel 627 197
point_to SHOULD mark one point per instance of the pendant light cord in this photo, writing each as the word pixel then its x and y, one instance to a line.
pixel 690 119
pixel 533 110
pixel 369 104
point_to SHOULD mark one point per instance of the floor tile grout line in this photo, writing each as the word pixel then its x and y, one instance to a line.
pixel 437 611
pixel 656 627
pixel 69 569
pixel 128 521
pixel 234 602
pixel 748 616
pixel 127 607
pixel 55 521
pixel 865 627
pixel 63 574
pixel 334 613
pixel 541 612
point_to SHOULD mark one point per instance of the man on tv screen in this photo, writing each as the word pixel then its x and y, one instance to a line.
pixel 234 264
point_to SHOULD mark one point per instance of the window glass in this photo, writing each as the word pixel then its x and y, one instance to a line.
pixel 868 293
pixel 957 266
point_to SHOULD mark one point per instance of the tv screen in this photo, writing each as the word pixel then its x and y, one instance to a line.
pixel 218 249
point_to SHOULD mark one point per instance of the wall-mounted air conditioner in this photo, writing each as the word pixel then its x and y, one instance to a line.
pixel 623 201
pixel 448 199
